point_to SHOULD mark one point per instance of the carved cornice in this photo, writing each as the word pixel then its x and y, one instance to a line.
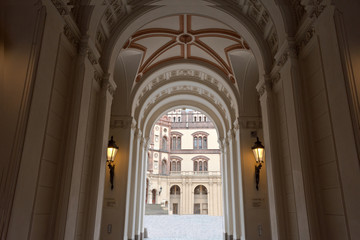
pixel 124 122
pixel 264 85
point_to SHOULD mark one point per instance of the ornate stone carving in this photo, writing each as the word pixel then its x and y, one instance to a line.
pixel 92 57
pixel 282 60
pixel 61 7
pixel 317 8
pixel 306 38
pixel 71 36
pixel 98 78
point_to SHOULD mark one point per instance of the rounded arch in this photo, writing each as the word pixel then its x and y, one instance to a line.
pixel 175 189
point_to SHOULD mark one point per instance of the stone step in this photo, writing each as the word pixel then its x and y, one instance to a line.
pixel 155 209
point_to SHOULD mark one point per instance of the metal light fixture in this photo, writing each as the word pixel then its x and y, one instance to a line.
pixel 110 157
pixel 259 152
pixel 160 190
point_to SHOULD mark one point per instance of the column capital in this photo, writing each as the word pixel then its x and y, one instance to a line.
pixel 108 84
pixel 264 85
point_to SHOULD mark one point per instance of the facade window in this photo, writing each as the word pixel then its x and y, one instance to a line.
pixel 179 119
pixel 175 142
pixel 201 165
pixel 200 189
pixel 199 119
pixel 175 165
pixel 175 190
pixel 164 143
pixel 194 119
pixel 163 167
pixel 204 118
pixel 174 119
pixel 200 140
pixel 178 143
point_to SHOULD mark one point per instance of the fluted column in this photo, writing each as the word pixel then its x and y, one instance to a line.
pixel 98 170
pixel 133 178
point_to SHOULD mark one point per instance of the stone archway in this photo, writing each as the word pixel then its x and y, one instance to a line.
pixel 211 95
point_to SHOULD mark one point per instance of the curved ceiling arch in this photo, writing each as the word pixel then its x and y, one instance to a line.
pixel 181 78
pixel 240 24
pixel 184 101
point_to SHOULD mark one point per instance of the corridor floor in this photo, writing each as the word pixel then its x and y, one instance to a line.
pixel 184 227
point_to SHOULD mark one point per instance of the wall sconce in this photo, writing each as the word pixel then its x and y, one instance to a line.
pixel 160 190
pixel 258 150
pixel 110 157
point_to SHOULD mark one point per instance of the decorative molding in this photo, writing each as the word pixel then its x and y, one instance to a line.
pixel 305 39
pixel 265 85
pixel 71 36
pixel 190 75
pixel 282 60
pixel 123 122
pixel 108 84
pixel 317 7
pixel 91 57
pixel 61 7
pixel 98 78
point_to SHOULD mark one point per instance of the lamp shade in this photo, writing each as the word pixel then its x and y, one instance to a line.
pixel 111 150
pixel 259 151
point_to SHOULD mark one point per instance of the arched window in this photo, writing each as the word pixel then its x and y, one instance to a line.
pixel 179 119
pixel 200 164
pixel 194 119
pixel 164 143
pixel 199 119
pixel 174 119
pixel 173 143
pixel 204 118
pixel 178 146
pixel 163 167
pixel 173 166
pixel 175 190
pixel 178 166
pixel 200 189
pixel 200 140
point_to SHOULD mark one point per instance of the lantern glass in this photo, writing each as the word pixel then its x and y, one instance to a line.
pixel 258 150
pixel 111 150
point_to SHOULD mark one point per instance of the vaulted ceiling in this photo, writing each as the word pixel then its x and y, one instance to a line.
pixel 186 37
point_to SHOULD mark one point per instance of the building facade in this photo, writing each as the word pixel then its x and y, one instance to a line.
pixel 183 171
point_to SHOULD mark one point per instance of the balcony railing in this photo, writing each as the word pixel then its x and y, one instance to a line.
pixel 195 173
